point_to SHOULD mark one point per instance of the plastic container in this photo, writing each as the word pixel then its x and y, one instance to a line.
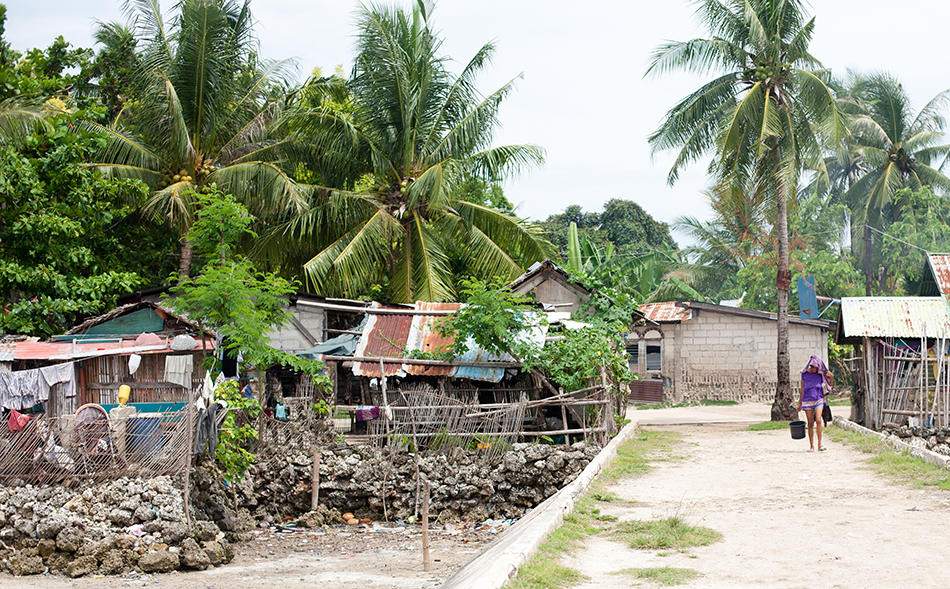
pixel 797 428
pixel 144 434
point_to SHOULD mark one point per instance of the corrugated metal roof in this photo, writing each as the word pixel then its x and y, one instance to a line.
pixel 894 317
pixel 424 336
pixel 940 263
pixel 30 350
pixel 384 336
pixel 666 312
pixel 389 336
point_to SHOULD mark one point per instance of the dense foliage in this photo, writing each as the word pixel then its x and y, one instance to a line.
pixel 229 296
pixel 72 241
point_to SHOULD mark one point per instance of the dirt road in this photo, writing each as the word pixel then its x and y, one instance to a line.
pixel 789 518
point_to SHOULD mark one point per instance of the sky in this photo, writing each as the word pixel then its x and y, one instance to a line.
pixel 583 97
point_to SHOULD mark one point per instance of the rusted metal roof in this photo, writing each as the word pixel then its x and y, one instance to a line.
pixel 894 317
pixel 392 336
pixel 384 336
pixel 30 350
pixel 424 336
pixel 669 312
pixel 940 264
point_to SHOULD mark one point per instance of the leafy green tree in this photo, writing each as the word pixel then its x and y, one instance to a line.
pixel 40 74
pixel 420 134
pixel 229 296
pixel 202 113
pixel 813 227
pixel 898 149
pixel 70 239
pixel 622 223
pixel 762 117
pixel 923 227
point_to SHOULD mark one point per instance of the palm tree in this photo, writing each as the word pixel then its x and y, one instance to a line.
pixel 419 132
pixel 201 115
pixel 762 117
pixel 896 149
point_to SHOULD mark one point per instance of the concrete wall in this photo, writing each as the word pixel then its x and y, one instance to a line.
pixel 290 339
pixel 729 357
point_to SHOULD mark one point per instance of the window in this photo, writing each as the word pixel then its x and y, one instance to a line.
pixel 633 353
pixel 654 357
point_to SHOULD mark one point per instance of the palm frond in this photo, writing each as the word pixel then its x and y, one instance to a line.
pixel 19 119
pixel 264 188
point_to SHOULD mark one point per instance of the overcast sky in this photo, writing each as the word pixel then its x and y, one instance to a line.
pixel 583 97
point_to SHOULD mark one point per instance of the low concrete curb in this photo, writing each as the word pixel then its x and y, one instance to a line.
pixel 499 561
pixel 932 457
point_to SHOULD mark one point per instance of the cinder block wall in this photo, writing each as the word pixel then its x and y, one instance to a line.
pixel 290 339
pixel 730 357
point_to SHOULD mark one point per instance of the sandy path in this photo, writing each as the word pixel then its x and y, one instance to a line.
pixel 789 518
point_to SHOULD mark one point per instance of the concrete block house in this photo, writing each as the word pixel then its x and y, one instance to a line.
pixel 687 351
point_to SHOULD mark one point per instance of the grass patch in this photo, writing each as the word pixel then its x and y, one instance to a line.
pixel 634 456
pixel 666 576
pixel 545 573
pixel 768 425
pixel 604 497
pixel 543 570
pixel 664 534
pixel 897 465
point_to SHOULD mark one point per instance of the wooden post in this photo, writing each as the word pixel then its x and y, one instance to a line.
pixel 567 438
pixel 189 443
pixel 425 527
pixel 315 480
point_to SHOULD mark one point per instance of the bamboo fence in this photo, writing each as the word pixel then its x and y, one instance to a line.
pixel 906 384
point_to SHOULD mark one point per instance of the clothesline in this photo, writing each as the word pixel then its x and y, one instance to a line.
pixel 25 388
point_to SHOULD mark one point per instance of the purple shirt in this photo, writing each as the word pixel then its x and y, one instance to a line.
pixel 811 387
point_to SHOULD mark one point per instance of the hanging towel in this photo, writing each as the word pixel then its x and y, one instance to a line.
pixel 178 370
pixel 17 420
pixel 55 374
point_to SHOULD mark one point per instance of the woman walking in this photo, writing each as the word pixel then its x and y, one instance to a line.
pixel 812 400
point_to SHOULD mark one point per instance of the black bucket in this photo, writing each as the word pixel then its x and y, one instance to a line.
pixel 797 428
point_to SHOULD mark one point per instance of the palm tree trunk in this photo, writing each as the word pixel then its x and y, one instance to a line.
pixel 782 407
pixel 185 251
pixel 867 259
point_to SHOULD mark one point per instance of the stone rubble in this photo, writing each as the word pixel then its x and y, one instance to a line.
pixel 128 525
pixel 935 439
pixel 137 526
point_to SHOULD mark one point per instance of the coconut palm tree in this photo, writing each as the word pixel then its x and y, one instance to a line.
pixel 896 149
pixel 762 118
pixel 419 132
pixel 202 113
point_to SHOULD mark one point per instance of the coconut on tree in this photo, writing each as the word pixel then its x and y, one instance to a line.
pixel 895 148
pixel 395 154
pixel 762 118
pixel 202 112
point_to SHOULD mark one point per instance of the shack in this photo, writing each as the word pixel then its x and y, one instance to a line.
pixel 552 287
pixel 902 370
pixel 392 383
pixel 689 351
pixel 145 346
